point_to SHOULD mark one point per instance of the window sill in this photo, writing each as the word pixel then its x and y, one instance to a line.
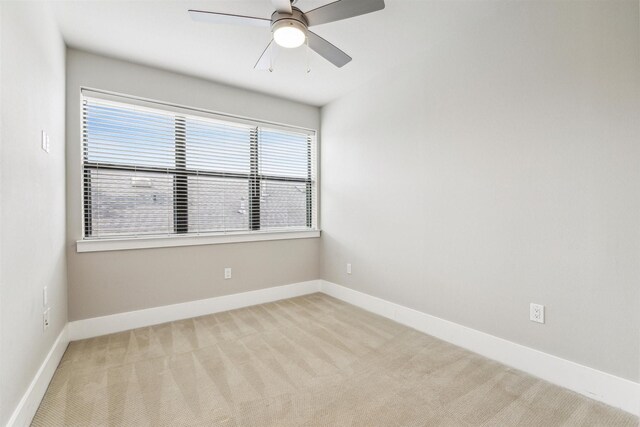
pixel 100 245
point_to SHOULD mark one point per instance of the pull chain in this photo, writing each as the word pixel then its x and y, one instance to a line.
pixel 271 55
pixel 308 57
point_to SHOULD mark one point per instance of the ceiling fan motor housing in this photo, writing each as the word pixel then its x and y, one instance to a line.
pixel 296 20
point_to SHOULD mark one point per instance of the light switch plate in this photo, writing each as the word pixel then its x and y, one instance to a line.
pixel 45 142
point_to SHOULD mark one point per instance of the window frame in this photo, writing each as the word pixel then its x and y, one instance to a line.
pixel 181 236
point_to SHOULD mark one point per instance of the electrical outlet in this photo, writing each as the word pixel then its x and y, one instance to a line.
pixel 536 313
pixel 227 273
pixel 45 297
pixel 45 318
pixel 348 268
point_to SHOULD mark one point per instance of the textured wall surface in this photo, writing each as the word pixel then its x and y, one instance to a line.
pixel 499 169
pixel 32 236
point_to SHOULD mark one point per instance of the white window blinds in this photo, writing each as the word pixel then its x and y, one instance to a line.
pixel 158 171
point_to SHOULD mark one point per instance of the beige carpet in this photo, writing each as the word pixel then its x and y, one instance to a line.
pixel 307 361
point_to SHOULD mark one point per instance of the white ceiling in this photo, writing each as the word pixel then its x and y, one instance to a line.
pixel 161 34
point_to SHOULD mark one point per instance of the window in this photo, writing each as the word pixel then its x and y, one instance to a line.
pixel 156 170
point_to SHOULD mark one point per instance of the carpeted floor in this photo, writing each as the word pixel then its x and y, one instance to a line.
pixel 307 361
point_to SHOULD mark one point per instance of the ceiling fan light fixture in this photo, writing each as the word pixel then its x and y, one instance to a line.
pixel 289 33
pixel 289 26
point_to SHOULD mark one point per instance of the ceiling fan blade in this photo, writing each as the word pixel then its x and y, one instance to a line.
pixel 264 62
pixel 282 6
pixel 342 9
pixel 327 50
pixel 225 18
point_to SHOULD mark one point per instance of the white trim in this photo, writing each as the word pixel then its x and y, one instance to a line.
pixel 87 328
pixel 610 389
pixel 98 245
pixel 595 384
pixel 26 409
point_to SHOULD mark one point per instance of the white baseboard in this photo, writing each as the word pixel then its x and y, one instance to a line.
pixel 28 405
pixel 598 385
pixel 88 328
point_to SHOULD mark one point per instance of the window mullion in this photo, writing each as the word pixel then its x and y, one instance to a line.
pixel 86 181
pixel 88 208
pixel 309 186
pixel 254 182
pixel 180 180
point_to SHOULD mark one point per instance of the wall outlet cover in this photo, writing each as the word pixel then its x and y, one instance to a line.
pixel 45 318
pixel 536 313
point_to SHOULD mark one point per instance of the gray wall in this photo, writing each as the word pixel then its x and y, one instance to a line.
pixel 102 283
pixel 500 169
pixel 32 233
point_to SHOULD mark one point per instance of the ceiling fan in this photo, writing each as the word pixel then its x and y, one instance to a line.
pixel 290 26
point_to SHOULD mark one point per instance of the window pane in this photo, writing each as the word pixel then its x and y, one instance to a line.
pixel 283 154
pixel 154 170
pixel 129 203
pixel 125 135
pixel 218 204
pixel 217 147
pixel 283 204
